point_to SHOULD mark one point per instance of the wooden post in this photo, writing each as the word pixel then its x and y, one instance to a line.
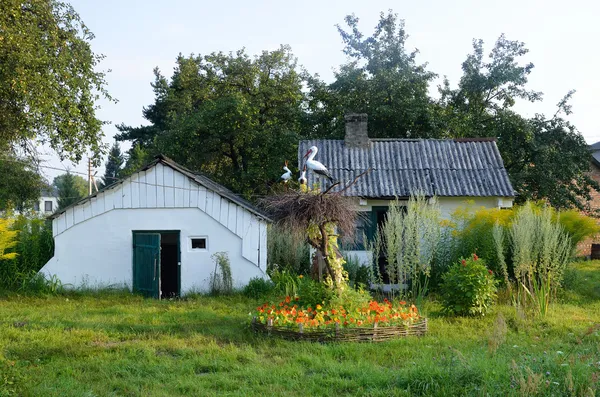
pixel 301 328
pixel 374 330
pixel 321 265
pixel 269 325
pixel 337 330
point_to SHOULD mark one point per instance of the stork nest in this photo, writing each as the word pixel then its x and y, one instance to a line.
pixel 296 211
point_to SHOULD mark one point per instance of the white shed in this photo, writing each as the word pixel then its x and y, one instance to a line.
pixel 155 232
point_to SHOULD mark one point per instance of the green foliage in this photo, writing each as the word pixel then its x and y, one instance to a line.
pixel 49 81
pixel 473 232
pixel 287 250
pixel 482 106
pixel 136 159
pixel 312 292
pixel 20 184
pixel 578 226
pixel 113 166
pixel 39 284
pixel 258 288
pixel 540 253
pixel 7 240
pixel 33 248
pixel 381 78
pixel 230 116
pixel 410 241
pixel 358 274
pixel 286 282
pixel 221 280
pixel 468 288
pixel 71 188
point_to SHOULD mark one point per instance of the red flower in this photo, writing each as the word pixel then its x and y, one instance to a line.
pixel 490 272
pixel 475 257
pixel 464 262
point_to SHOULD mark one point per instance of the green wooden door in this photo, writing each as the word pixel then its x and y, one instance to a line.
pixel 146 264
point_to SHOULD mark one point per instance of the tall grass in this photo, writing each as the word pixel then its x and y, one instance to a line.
pixel 410 240
pixel 287 251
pixel 540 253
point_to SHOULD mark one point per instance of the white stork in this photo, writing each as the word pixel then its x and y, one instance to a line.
pixel 316 166
pixel 302 180
pixel 288 173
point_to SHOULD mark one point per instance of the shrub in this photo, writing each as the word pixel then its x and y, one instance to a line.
pixel 312 292
pixel 468 288
pixel 578 226
pixel 33 248
pixel 258 287
pixel 221 281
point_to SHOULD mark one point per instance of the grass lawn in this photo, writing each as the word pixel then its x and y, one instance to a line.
pixel 123 345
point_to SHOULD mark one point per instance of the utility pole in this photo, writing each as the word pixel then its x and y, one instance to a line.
pixel 89 176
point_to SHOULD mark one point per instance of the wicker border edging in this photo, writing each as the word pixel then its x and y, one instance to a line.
pixel 375 334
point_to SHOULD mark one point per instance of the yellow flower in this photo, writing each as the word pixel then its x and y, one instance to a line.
pixel 300 276
pixel 319 307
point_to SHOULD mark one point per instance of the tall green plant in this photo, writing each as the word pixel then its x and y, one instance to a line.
pixel 540 253
pixel 287 251
pixel 411 239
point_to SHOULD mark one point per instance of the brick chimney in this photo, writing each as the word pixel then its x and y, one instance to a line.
pixel 356 130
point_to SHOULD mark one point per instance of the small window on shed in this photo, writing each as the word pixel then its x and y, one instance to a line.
pixel 198 243
pixel 48 206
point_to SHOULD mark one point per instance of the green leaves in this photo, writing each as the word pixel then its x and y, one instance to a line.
pixel 468 288
pixel 48 82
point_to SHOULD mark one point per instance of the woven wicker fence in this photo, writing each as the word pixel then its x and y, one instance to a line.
pixel 375 334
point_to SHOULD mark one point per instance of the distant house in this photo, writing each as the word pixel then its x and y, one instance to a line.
pixel 156 231
pixel 48 202
pixel 453 170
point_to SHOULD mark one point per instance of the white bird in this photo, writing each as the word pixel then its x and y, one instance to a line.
pixel 288 173
pixel 302 180
pixel 316 166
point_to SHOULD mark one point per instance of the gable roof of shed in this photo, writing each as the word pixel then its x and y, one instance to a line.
pixel 198 178
pixel 401 167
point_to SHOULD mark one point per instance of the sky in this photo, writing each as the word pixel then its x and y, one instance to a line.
pixel 137 36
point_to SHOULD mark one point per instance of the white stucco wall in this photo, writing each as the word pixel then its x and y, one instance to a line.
pixel 98 252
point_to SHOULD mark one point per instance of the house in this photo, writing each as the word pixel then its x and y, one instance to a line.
pixel 156 231
pixel 48 201
pixel 453 170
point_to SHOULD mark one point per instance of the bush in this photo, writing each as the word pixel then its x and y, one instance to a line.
pixel 312 292
pixel 258 288
pixel 33 249
pixel 468 288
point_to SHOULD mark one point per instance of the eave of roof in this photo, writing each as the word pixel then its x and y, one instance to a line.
pixel 200 179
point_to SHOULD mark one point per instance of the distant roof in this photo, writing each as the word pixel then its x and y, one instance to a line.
pixel 200 179
pixel 399 167
pixel 595 146
pixel 49 191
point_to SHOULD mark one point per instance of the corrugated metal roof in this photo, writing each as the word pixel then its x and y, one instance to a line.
pixel 400 167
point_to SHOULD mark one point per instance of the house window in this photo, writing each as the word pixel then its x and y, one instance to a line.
pixel 36 206
pixel 363 222
pixel 48 206
pixel 198 243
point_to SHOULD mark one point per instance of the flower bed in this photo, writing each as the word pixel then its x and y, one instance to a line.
pixel 376 322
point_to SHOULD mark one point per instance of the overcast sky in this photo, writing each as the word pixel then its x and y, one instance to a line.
pixel 136 36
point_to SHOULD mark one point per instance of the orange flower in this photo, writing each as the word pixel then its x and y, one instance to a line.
pixel 319 307
pixel 287 299
pixel 403 303
pixel 300 276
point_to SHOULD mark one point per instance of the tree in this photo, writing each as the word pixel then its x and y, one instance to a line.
pixel 48 81
pixel 114 163
pixel 381 79
pixel 545 158
pixel 71 188
pixel 230 116
pixel 20 183
pixel 137 158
